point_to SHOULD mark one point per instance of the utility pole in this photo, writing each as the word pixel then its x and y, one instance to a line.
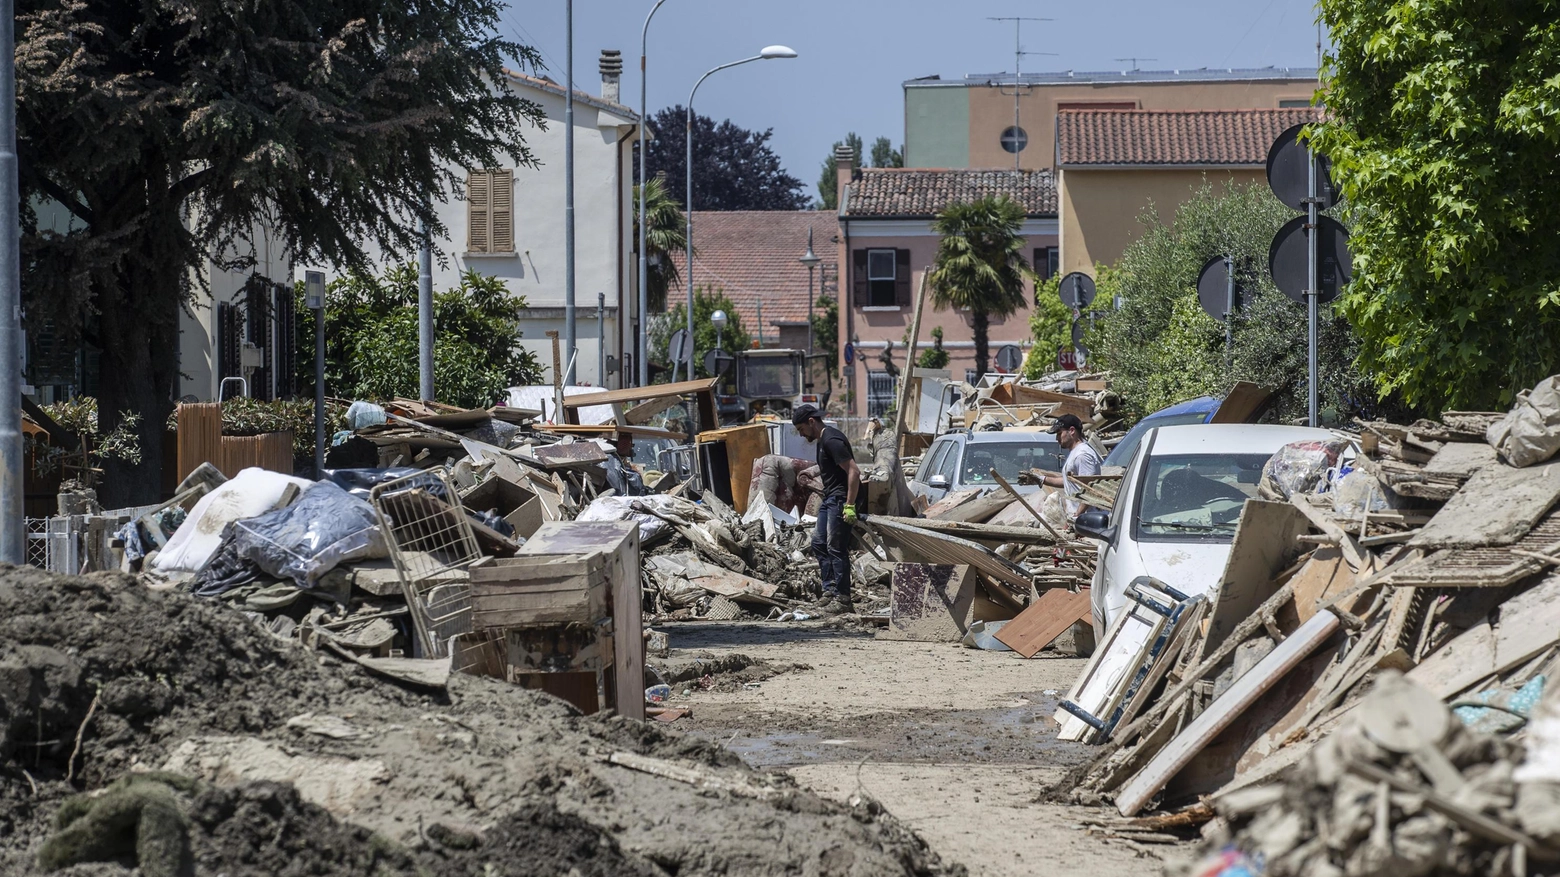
pixel 570 339
pixel 425 317
pixel 13 540
pixel 644 270
pixel 1019 142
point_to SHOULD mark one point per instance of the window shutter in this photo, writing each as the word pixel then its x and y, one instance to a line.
pixel 860 290
pixel 478 199
pixel 502 199
pixel 286 342
pixel 1039 265
pixel 902 278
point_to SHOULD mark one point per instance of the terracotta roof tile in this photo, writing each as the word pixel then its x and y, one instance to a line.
pixel 1173 137
pixel 751 256
pixel 916 192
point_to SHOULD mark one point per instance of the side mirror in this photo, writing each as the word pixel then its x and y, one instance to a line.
pixel 1095 525
pixel 938 481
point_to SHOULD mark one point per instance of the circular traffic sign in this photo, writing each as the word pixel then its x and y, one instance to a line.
pixel 1213 288
pixel 677 346
pixel 1076 290
pixel 1289 172
pixel 850 353
pixel 1009 358
pixel 1288 257
pixel 716 362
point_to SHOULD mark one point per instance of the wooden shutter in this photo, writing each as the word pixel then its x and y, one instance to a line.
pixel 230 339
pixel 860 290
pixel 902 278
pixel 502 213
pixel 479 187
pixel 286 358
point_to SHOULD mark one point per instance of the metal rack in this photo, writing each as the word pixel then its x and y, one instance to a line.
pixel 431 544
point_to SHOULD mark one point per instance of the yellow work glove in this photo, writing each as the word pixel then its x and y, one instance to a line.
pixel 850 514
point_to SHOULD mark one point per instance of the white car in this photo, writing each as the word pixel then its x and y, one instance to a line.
pixel 1176 512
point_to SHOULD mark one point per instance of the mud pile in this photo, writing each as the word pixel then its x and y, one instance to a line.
pixel 306 764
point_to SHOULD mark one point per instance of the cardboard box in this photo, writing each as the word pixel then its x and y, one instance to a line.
pixel 515 503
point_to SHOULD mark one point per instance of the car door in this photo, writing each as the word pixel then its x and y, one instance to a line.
pixel 931 465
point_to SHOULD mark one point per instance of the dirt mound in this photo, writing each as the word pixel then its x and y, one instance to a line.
pixel 308 764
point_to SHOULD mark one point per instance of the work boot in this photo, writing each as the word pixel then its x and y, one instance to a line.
pixel 836 606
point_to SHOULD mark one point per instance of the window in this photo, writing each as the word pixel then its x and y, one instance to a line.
pixel 1097 105
pixel 1014 139
pixel 1009 459
pixel 1046 261
pixel 490 212
pixel 1294 103
pixel 880 278
pixel 932 462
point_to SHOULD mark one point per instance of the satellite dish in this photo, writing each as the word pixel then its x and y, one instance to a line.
pixel 1077 290
pixel 677 346
pixel 1213 288
pixel 1288 173
pixel 1009 358
pixel 717 361
pixel 1288 255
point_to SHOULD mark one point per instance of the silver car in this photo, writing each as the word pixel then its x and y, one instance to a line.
pixel 962 460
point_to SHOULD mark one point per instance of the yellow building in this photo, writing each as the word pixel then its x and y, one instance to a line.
pixel 1113 165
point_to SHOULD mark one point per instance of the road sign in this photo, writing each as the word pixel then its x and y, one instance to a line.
pixel 1288 172
pixel 1009 358
pixel 1068 359
pixel 1288 254
pixel 677 347
pixel 717 361
pixel 1076 290
pixel 1213 288
pixel 850 353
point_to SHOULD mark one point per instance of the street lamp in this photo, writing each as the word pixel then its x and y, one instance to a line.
pixel 811 260
pixel 644 271
pixel 768 53
pixel 718 320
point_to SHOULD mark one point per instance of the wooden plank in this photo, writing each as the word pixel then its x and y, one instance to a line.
pixel 978 511
pixel 1224 710
pixel 1525 625
pixel 1046 619
pixel 951 500
pixel 744 444
pixel 1323 577
pixel 1066 403
pixel 978 532
pixel 1265 544
pixel 640 394
pixel 619 540
pixel 1245 403
pixel 1461 459
pixel 1497 506
pixel 929 602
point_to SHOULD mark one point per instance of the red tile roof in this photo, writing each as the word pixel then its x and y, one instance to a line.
pixel 751 255
pixel 918 192
pixel 1171 137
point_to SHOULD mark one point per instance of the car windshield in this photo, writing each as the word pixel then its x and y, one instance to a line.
pixel 1121 454
pixel 1196 497
pixel 1009 459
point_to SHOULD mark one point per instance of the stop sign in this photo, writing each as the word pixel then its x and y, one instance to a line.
pixel 1066 359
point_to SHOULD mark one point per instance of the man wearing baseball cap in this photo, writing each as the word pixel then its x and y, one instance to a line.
pixel 1081 460
pixel 841 481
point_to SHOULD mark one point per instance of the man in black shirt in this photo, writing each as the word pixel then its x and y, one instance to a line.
pixel 841 481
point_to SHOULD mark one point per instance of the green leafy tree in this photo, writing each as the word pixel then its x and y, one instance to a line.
pixel 705 303
pixel 935 356
pixel 826 331
pixel 665 237
pixel 829 179
pixel 980 264
pixel 371 339
pixel 156 137
pixel 1051 327
pixel 1443 122
pixel 885 155
pixel 1162 348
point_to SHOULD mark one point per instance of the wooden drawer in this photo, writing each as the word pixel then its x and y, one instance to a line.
pixel 522 591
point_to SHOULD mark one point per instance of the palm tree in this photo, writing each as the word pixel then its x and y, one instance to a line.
pixel 664 235
pixel 980 264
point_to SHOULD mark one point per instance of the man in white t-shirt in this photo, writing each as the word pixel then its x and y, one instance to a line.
pixel 1081 460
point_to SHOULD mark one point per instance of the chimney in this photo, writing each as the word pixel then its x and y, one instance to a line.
pixel 611 74
pixel 844 170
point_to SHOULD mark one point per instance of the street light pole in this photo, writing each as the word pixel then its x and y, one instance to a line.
pixel 570 339
pixel 13 541
pixel 768 53
pixel 644 267
pixel 811 260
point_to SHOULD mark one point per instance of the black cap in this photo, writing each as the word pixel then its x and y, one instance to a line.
pixel 803 413
pixel 1064 422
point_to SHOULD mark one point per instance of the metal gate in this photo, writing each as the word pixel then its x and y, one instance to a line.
pixel 881 392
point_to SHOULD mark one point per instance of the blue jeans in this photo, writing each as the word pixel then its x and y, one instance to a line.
pixel 831 545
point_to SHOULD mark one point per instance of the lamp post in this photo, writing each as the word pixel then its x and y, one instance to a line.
pixel 644 269
pixel 314 298
pixel 718 320
pixel 811 260
pixel 768 53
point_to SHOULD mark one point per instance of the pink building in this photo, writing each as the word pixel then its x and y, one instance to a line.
pixel 886 243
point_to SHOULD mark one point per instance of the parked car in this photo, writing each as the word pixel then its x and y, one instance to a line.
pixel 1199 410
pixel 1179 503
pixel 961 460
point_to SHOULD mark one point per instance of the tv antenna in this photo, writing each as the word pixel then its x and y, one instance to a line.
pixel 1135 61
pixel 1016 138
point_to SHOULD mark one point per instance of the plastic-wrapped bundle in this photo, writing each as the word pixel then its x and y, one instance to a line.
pixel 307 539
pixel 1299 467
pixel 1355 489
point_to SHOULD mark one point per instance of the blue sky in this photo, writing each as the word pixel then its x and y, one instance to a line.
pixel 855 53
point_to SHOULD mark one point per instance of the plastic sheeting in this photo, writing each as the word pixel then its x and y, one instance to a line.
pixel 1530 433
pixel 307 539
pixel 620 508
pixel 1300 468
pixel 251 492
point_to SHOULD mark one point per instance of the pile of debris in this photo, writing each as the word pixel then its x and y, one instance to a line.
pixel 1305 695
